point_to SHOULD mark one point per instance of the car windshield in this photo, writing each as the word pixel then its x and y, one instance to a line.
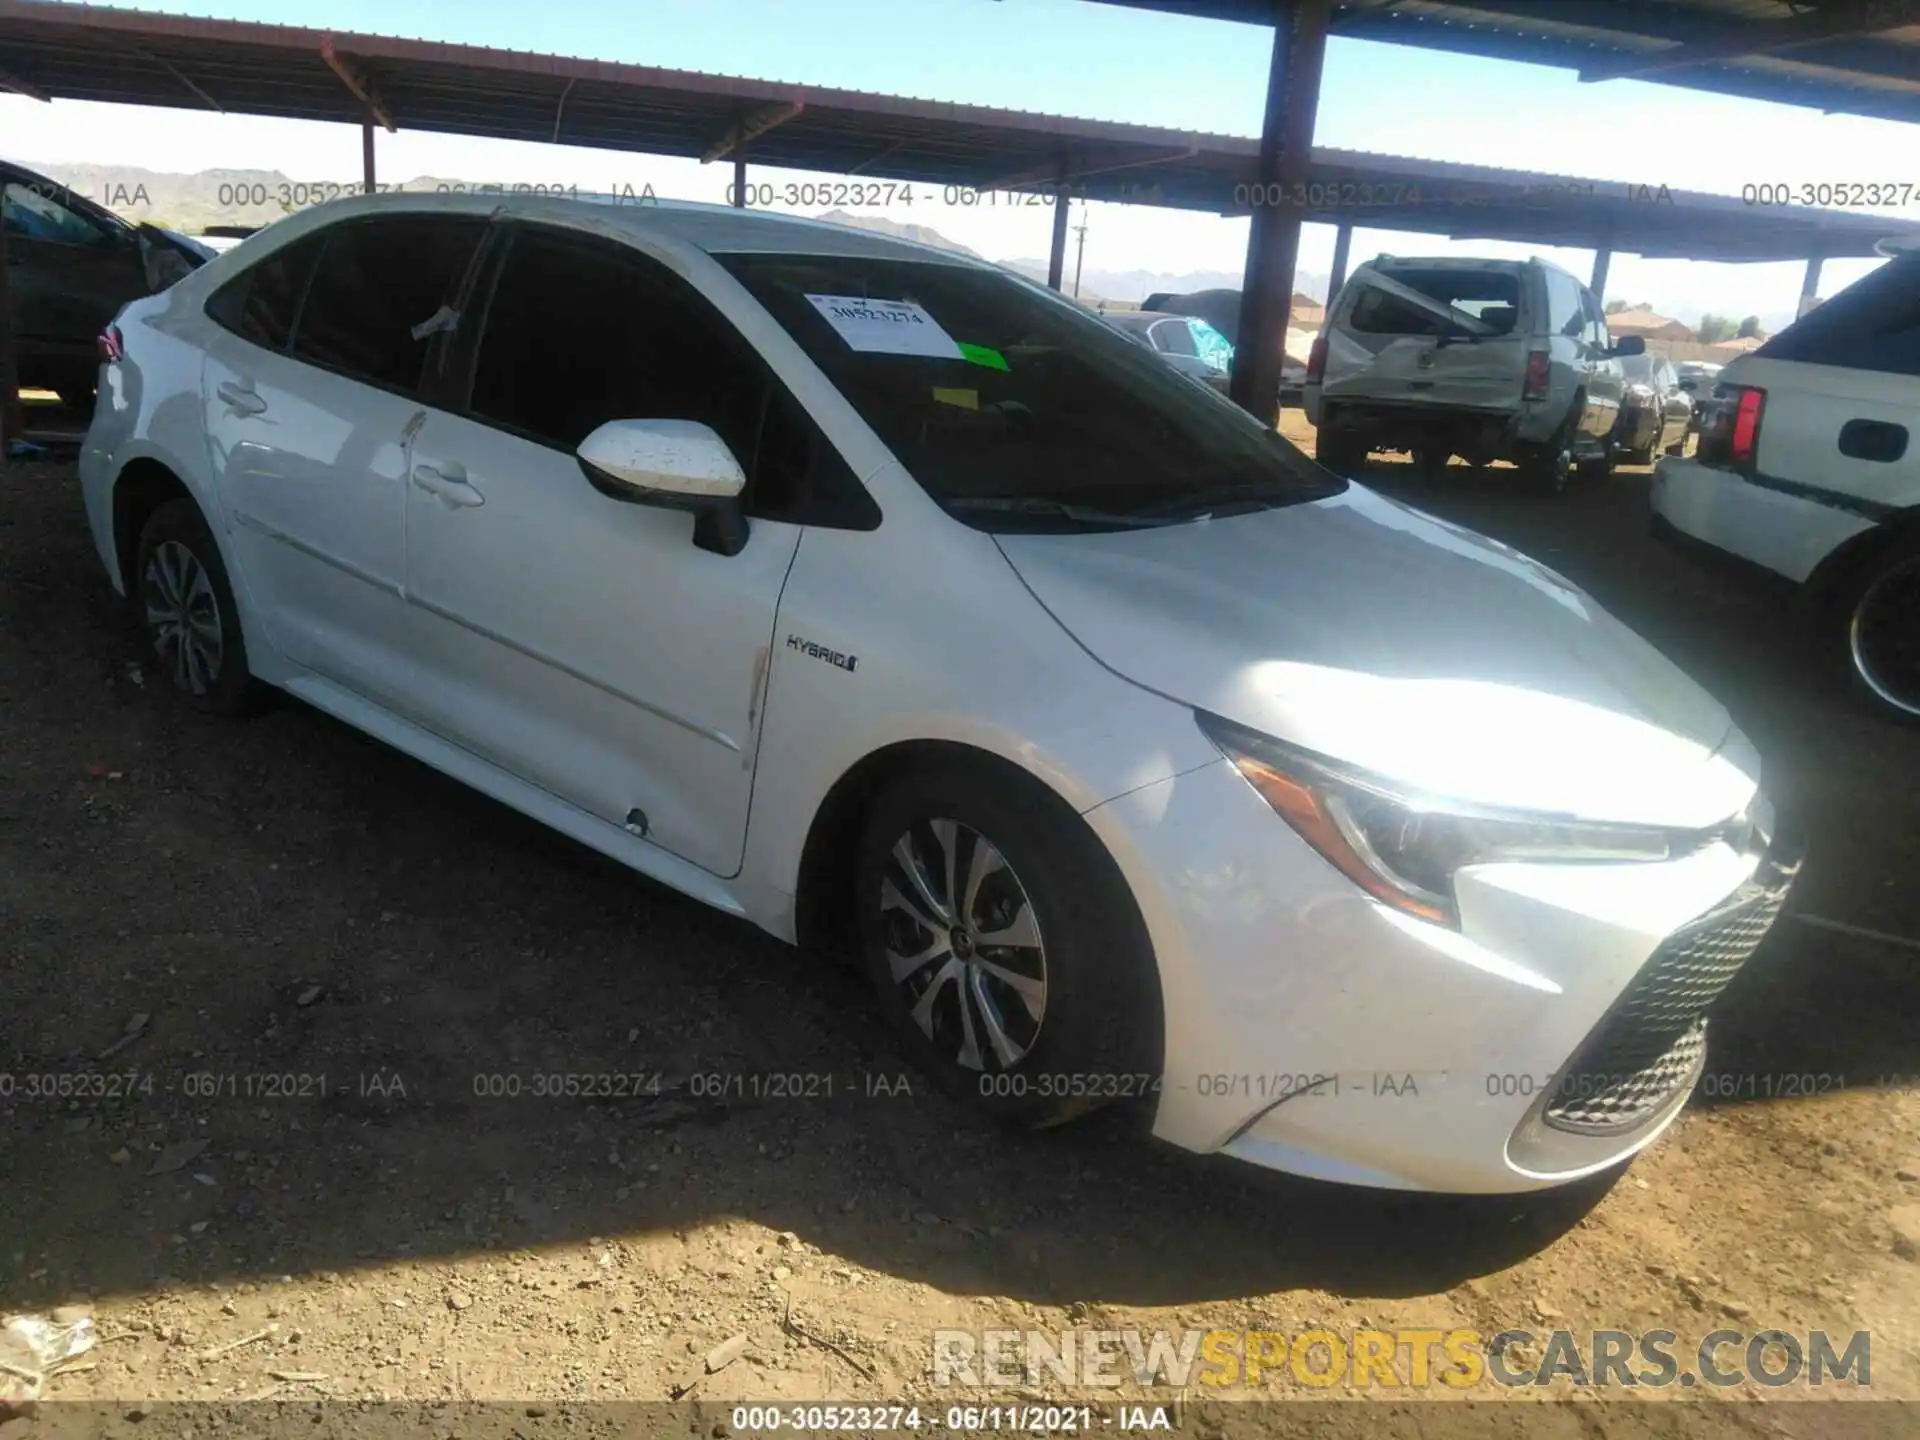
pixel 1016 409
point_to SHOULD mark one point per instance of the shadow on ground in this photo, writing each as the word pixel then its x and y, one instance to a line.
pixel 284 900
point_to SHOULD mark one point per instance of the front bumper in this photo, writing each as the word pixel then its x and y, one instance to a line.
pixel 1311 1029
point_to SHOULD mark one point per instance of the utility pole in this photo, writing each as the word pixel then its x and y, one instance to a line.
pixel 1080 252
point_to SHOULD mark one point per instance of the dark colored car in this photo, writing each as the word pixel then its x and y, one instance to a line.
pixel 71 265
pixel 1655 411
pixel 1189 344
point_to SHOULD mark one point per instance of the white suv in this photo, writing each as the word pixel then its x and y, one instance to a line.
pixel 1488 359
pixel 1807 466
pixel 884 598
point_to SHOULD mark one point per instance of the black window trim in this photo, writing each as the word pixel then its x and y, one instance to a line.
pixel 454 394
pixel 430 378
pixel 300 302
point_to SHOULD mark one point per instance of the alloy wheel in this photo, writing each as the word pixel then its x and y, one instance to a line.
pixel 183 617
pixel 963 946
pixel 1885 637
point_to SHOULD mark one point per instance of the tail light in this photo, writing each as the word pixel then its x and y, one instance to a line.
pixel 1730 427
pixel 1746 426
pixel 1317 358
pixel 108 344
pixel 1537 375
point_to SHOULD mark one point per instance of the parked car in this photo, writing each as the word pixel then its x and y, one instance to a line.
pixel 1189 344
pixel 71 265
pixel 1655 413
pixel 1488 359
pixel 1806 467
pixel 892 601
pixel 1698 378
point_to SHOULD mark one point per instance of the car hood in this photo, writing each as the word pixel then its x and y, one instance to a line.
pixel 1365 631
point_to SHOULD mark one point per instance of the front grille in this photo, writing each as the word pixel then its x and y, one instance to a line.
pixel 1653 1040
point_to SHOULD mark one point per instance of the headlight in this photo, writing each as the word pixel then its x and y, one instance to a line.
pixel 1403 848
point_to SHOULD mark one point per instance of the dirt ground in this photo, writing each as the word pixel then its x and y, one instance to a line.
pixel 308 954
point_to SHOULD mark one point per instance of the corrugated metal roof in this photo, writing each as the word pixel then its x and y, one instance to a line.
pixel 1856 57
pixel 124 56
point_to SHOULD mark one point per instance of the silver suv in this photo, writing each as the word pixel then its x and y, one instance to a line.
pixel 1486 359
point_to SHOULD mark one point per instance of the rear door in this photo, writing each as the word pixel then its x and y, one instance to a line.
pixel 1452 336
pixel 312 389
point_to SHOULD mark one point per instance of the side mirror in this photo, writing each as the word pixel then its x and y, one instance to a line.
pixel 673 464
pixel 1629 345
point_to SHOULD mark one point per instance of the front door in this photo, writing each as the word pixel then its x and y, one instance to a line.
pixel 582 643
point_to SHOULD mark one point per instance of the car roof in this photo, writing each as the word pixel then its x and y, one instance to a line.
pixel 716 229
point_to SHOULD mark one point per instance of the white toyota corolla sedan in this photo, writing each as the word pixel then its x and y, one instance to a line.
pixel 898 605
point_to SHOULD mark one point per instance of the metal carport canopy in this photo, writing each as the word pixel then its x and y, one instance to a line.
pixel 1848 57
pixel 130 57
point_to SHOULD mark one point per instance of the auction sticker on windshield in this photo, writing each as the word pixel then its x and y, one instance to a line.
pixel 886 327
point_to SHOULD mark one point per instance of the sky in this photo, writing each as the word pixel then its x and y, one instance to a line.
pixel 1063 57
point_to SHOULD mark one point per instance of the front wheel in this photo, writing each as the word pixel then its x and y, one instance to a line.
pixel 1007 951
pixel 184 605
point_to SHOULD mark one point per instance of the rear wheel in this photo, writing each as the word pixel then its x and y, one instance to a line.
pixel 1548 468
pixel 1881 630
pixel 184 605
pixel 1430 461
pixel 1005 947
pixel 1341 451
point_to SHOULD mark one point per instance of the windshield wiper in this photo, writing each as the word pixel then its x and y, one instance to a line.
pixel 1041 505
pixel 1204 500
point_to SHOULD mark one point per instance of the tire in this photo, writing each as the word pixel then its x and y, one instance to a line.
pixel 1598 467
pixel 1430 462
pixel 1875 630
pixel 1340 451
pixel 1639 457
pixel 183 603
pixel 1547 470
pixel 1088 973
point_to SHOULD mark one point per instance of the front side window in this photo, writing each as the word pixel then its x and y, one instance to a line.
pixel 578 332
pixel 378 284
pixel 36 212
pixel 1013 407
pixel 261 302
pixel 1596 326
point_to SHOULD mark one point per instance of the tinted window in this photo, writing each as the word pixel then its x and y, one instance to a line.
pixel 578 332
pixel 376 281
pixel 1873 324
pixel 1565 314
pixel 261 302
pixel 34 211
pixel 1017 402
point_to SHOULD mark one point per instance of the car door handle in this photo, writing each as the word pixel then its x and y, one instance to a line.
pixel 452 488
pixel 241 398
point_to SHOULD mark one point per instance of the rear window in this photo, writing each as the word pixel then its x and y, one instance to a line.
pixel 261 302
pixel 1873 324
pixel 379 282
pixel 1489 296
